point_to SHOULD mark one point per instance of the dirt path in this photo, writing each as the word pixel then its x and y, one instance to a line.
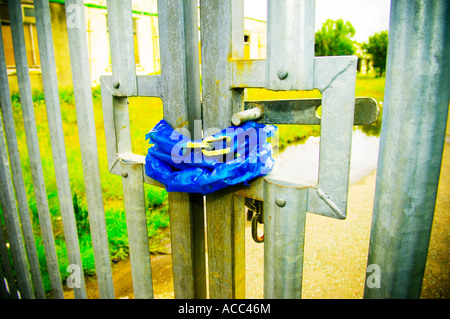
pixel 335 252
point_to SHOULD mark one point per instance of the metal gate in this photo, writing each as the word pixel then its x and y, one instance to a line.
pixel 418 65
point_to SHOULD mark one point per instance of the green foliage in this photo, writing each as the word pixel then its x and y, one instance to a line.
pixel 81 215
pixel 367 85
pixel 377 47
pixel 334 38
pixel 290 134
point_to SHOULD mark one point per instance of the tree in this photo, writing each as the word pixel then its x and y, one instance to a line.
pixel 377 47
pixel 334 38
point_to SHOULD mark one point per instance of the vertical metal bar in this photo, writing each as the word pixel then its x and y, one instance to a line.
pixel 120 25
pixel 191 25
pixel 417 84
pixel 239 245
pixel 181 102
pixel 124 68
pixel 16 169
pixel 50 81
pixel 290 44
pixel 188 245
pixel 23 77
pixel 134 196
pixel 12 223
pixel 335 78
pixel 284 238
pixel 79 61
pixel 222 39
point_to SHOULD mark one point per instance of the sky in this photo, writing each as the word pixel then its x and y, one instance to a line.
pixel 367 16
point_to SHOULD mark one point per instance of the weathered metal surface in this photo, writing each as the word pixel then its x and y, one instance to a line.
pixel 37 174
pixel 17 176
pixel 285 208
pixel 135 211
pixel 222 40
pixel 411 144
pixel 51 93
pixel 134 198
pixel 180 77
pixel 110 128
pixel 120 27
pixel 248 73
pixel 290 45
pixel 125 84
pixel 79 61
pixel 12 223
pixel 335 78
pixel 304 111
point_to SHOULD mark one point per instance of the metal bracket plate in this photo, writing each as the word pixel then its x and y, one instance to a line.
pixel 335 78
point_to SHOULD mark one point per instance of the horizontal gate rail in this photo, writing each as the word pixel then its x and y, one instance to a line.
pixel 304 111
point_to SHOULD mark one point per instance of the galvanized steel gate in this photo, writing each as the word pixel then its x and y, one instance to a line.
pixel 290 65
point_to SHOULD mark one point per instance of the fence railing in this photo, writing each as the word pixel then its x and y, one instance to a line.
pixel 405 196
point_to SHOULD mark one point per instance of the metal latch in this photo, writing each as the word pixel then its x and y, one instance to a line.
pixel 255 214
pixel 207 145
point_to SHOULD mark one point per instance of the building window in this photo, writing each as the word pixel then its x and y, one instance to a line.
pixel 31 40
pixel 246 46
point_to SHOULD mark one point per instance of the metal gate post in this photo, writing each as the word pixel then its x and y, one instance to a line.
pixel 134 198
pixel 417 84
pixel 179 47
pixel 285 209
pixel 50 82
pixel 222 36
pixel 79 60
pixel 124 81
